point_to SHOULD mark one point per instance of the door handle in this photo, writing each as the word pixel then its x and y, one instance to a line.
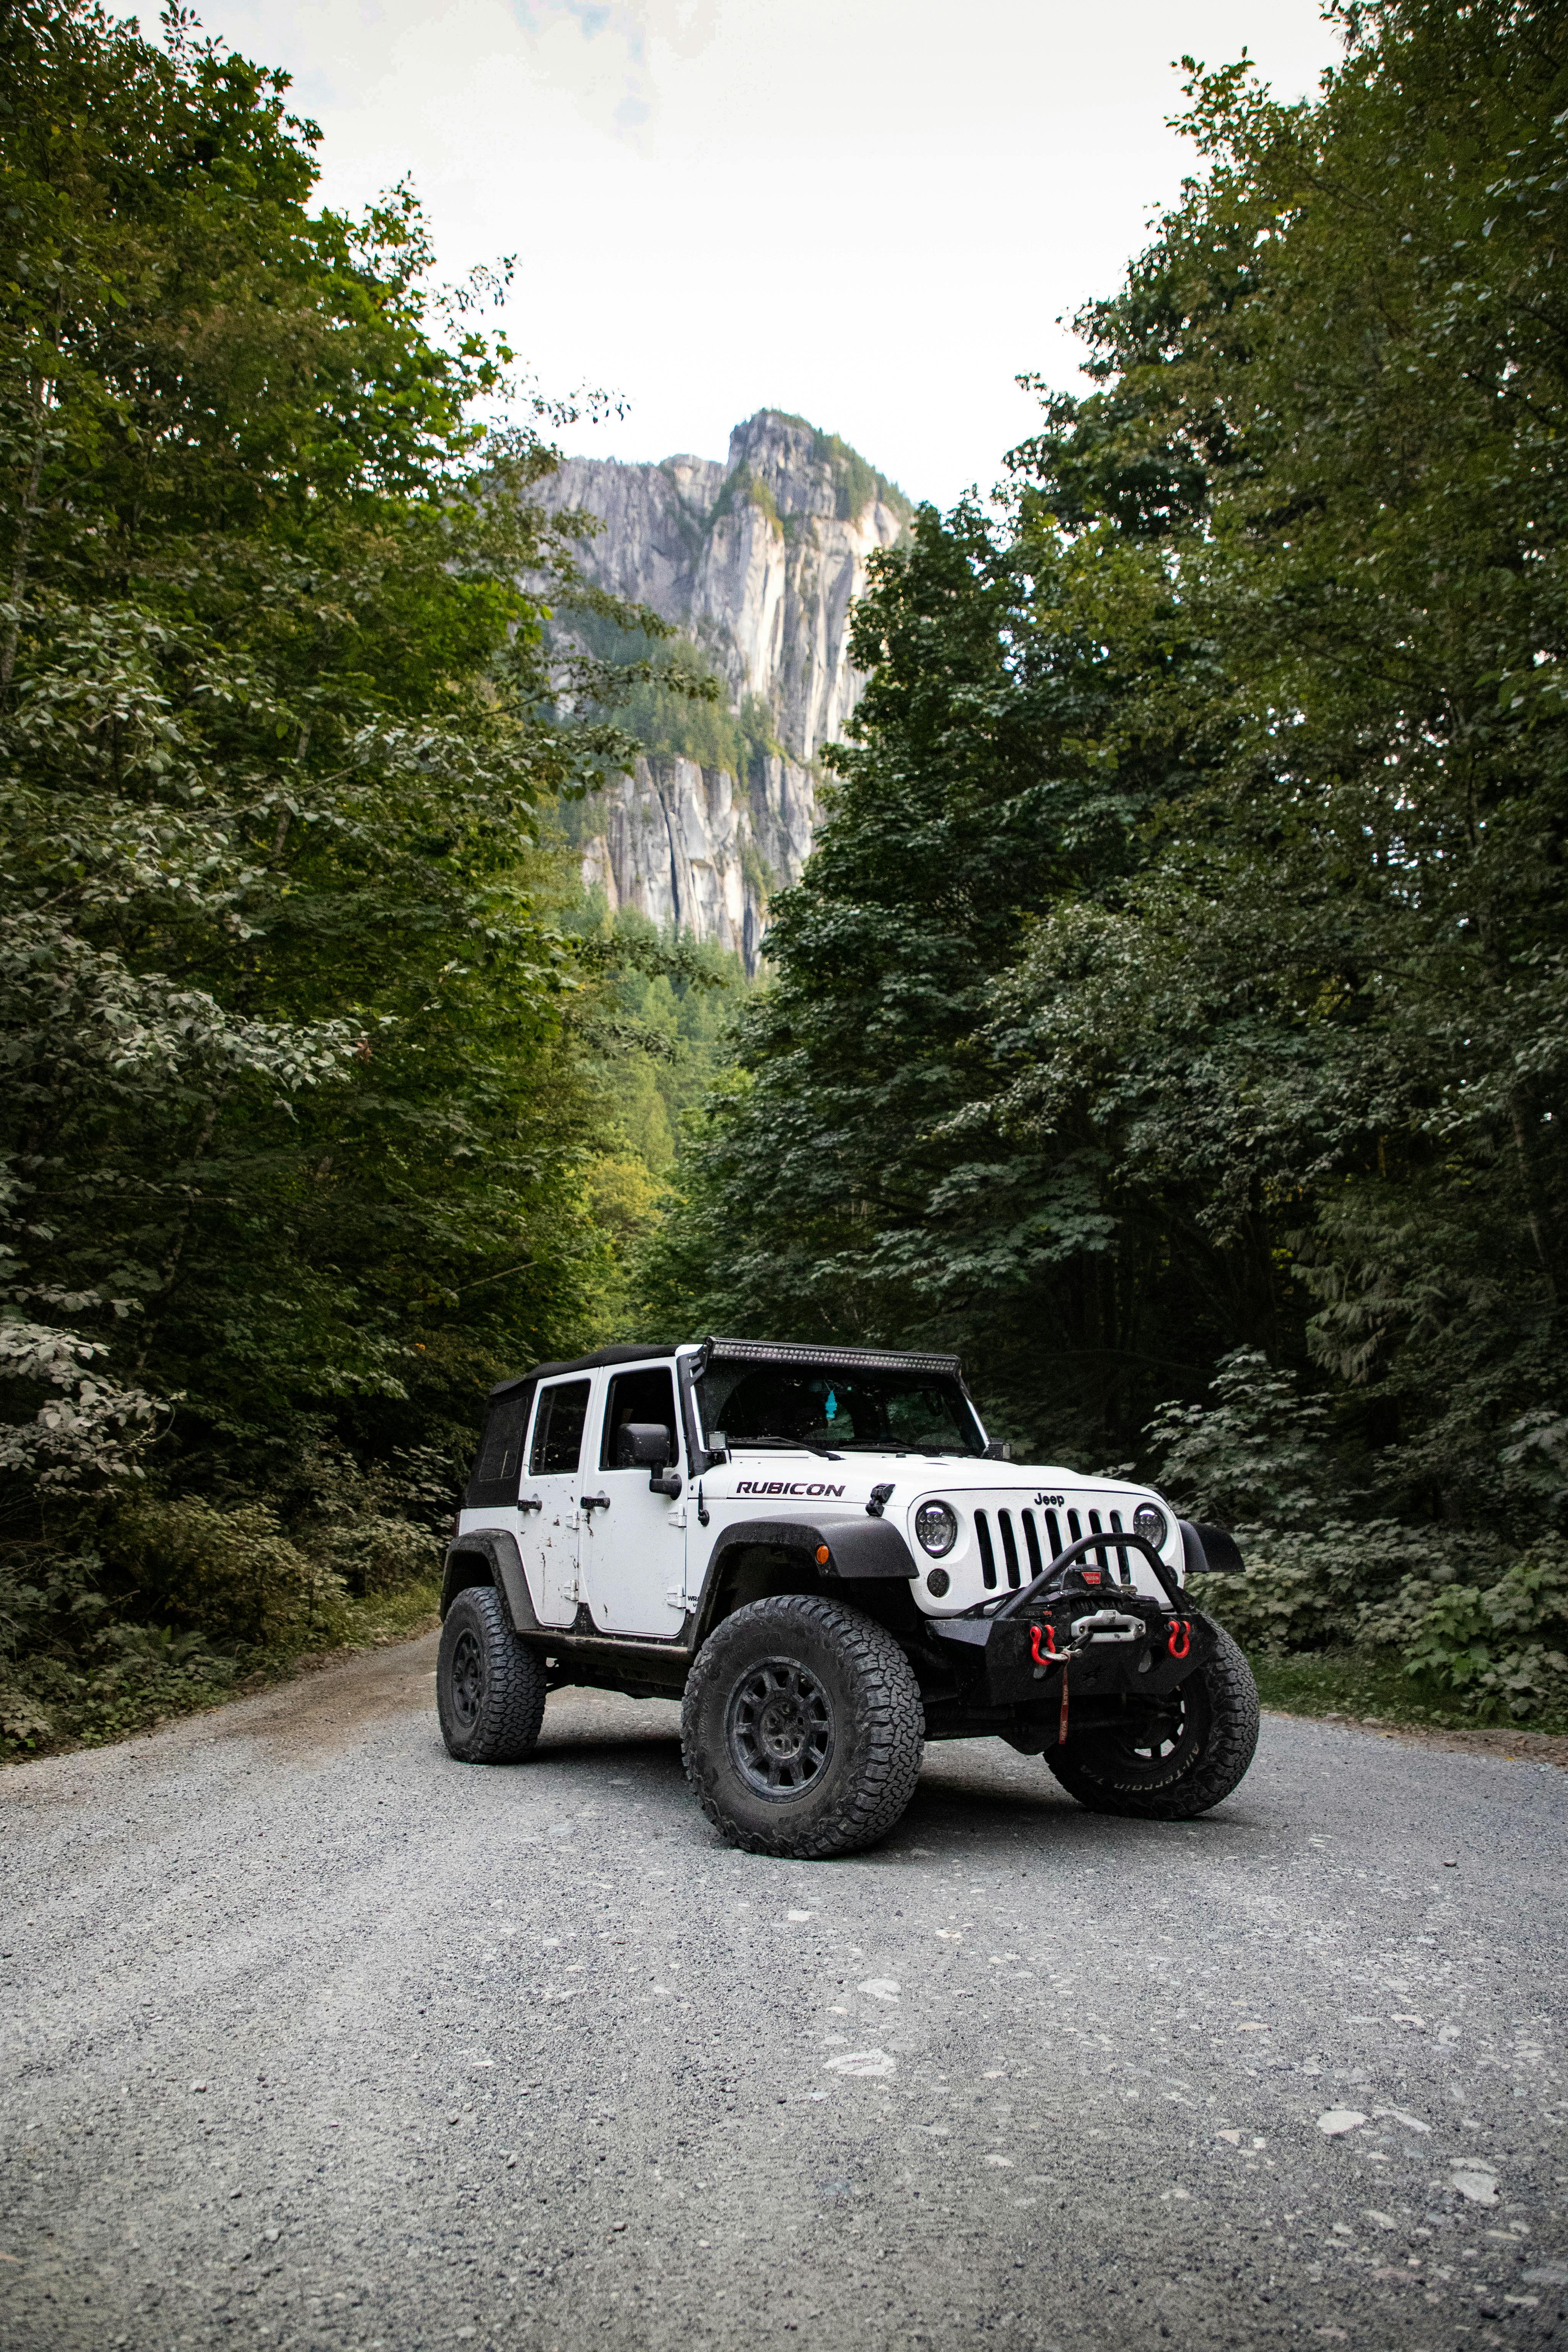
pixel 528 1503
pixel 594 1502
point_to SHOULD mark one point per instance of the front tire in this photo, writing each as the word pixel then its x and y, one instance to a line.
pixel 802 1730
pixel 1206 1747
pixel 489 1687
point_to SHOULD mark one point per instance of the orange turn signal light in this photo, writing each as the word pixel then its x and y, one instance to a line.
pixel 823 1555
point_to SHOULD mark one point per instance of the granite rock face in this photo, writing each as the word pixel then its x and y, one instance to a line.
pixel 757 561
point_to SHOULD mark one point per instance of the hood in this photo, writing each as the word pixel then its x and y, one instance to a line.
pixel 1012 1517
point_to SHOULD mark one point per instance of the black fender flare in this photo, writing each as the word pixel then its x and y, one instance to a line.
pixel 489 1556
pixel 856 1547
pixel 1209 1551
pixel 858 1551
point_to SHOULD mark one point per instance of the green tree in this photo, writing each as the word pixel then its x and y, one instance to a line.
pixel 1331 1003
pixel 856 1182
pixel 1234 1019
pixel 297 1145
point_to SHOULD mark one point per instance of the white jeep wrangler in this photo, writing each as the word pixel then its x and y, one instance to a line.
pixel 817 1549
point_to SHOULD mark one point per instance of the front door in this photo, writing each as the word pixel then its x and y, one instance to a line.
pixel 550 1501
pixel 634 1547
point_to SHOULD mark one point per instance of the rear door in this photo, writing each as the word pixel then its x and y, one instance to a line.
pixel 550 1502
pixel 633 1550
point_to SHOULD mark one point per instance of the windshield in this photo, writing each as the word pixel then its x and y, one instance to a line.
pixel 842 1413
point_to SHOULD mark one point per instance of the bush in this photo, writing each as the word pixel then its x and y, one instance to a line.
pixel 229 1573
pixel 138 1610
pixel 1501 1647
pixel 1461 1620
pixel 1257 1453
pixel 373 1524
pixel 378 1553
pixel 1337 1581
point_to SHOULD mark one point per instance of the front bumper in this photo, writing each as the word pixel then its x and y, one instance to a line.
pixel 1021 1658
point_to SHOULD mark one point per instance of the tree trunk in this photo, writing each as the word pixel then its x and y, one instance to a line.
pixel 19 568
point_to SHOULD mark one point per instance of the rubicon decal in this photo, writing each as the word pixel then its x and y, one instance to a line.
pixel 782 1486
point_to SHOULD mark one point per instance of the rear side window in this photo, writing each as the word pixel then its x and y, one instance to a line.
pixel 640 1396
pixel 493 1484
pixel 558 1432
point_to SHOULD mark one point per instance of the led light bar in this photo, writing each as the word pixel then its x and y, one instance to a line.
pixel 828 1359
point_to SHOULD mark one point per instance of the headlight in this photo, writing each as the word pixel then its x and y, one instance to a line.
pixel 1150 1522
pixel 936 1528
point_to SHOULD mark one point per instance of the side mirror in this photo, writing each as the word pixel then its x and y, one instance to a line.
pixel 643 1445
pixel 648 1445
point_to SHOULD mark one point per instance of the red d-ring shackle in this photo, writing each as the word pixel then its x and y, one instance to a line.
pixel 1178 1641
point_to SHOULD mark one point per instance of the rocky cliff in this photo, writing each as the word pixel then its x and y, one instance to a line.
pixel 757 561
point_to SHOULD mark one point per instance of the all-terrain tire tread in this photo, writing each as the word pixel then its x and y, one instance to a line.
pixel 1233 1741
pixel 512 1709
pixel 891 1716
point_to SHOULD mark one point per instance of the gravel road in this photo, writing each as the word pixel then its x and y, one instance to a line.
pixel 315 2038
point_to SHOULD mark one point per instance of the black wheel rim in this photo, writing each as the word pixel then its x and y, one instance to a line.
pixel 1159 1752
pixel 780 1728
pixel 468 1680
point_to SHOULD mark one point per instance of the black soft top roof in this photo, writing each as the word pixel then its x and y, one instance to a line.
pixel 582 1364
pixel 748 1351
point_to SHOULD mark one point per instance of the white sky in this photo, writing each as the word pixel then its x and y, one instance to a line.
pixel 870 212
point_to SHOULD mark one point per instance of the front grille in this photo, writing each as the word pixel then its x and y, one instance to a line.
pixel 1018 1568
pixel 987 1556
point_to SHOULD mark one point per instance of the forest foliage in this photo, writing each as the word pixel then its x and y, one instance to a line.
pixel 310 1128
pixel 1172 1016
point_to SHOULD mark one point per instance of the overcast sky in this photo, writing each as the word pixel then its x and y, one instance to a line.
pixel 870 212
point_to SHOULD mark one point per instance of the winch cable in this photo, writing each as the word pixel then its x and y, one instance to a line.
pixel 1055 1657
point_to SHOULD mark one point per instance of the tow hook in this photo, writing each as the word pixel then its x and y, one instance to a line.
pixel 1178 1641
pixel 1046 1658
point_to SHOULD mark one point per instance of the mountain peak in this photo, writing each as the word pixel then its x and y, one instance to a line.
pixel 757 560
pixel 809 471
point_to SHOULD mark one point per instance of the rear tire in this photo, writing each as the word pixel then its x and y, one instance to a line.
pixel 802 1730
pixel 489 1687
pixel 1209 1747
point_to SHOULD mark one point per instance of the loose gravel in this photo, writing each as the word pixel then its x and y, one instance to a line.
pixel 314 2038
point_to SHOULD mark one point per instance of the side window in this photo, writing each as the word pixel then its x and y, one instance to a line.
pixel 558 1431
pixel 640 1396
pixel 494 1482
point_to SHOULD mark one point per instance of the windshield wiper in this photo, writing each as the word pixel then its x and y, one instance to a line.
pixel 799 1445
